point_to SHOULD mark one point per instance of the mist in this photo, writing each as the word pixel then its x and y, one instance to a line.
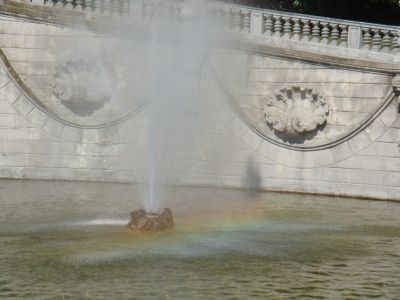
pixel 175 54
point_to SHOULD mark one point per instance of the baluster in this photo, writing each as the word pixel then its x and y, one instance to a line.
pixel 395 41
pixel 376 39
pixel 107 7
pixel 169 11
pixel 219 16
pixel 163 10
pixel 125 9
pixel 334 34
pixel 88 5
pixel 325 32
pixel 236 19
pixel 227 18
pixel 159 10
pixel 306 29
pixel 367 38
pixel 50 2
pixel 296 28
pixel 177 12
pixel 386 41
pixel 287 27
pixel 151 9
pixel 79 5
pixel 344 35
pixel 172 11
pixel 95 5
pixel 315 31
pixel 115 7
pixel 212 11
pixel 59 3
pixel 246 21
pixel 268 25
pixel 69 4
pixel 146 10
pixel 277 26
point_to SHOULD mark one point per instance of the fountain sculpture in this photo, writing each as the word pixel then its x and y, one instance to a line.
pixel 151 222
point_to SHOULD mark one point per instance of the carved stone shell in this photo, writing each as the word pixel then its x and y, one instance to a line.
pixel 296 111
pixel 83 87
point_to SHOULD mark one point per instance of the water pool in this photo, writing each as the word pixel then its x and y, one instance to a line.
pixel 67 240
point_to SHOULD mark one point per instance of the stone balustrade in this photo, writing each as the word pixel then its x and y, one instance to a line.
pixel 169 8
pixel 114 7
pixel 145 9
pixel 305 28
pixel 253 22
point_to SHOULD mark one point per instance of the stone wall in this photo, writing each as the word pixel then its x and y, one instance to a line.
pixel 354 152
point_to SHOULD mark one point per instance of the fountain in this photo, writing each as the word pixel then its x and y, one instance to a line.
pixel 175 69
pixel 186 114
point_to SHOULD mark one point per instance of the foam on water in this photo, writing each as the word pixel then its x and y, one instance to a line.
pixel 254 237
pixel 99 222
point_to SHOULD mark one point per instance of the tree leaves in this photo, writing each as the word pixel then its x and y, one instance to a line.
pixel 377 11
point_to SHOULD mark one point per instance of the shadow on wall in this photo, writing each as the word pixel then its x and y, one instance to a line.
pixel 252 179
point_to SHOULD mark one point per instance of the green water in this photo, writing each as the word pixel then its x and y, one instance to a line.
pixel 63 240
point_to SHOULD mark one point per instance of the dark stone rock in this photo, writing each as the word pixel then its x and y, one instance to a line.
pixel 151 222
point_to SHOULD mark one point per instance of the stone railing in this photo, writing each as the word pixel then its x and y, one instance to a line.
pixel 252 22
pixel 142 8
pixel 112 7
pixel 171 8
pixel 305 28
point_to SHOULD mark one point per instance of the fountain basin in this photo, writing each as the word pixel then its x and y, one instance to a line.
pixel 140 220
pixel 270 245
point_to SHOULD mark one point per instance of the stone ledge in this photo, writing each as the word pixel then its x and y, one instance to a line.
pixel 353 63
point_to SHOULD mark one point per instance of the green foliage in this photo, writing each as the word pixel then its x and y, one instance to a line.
pixel 379 11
